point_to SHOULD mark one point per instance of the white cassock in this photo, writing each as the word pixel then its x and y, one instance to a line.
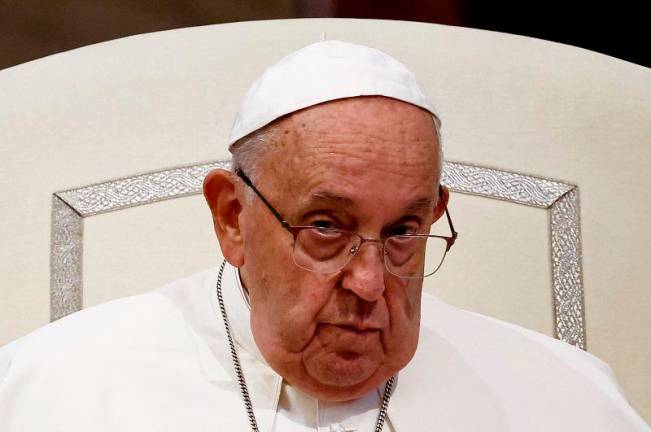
pixel 160 362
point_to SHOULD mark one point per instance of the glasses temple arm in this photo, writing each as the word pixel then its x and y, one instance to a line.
pixel 447 215
pixel 454 233
pixel 249 183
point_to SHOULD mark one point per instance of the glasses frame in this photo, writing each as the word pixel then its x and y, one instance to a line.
pixel 295 230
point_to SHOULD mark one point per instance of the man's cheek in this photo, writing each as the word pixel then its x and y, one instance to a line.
pixel 404 305
pixel 293 336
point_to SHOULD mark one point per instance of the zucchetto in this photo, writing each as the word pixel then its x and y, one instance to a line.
pixel 322 72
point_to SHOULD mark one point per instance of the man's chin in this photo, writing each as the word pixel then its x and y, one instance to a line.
pixel 343 370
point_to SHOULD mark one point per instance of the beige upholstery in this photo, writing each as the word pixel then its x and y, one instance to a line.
pixel 163 100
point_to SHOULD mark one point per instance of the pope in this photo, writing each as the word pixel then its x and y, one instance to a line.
pixel 316 320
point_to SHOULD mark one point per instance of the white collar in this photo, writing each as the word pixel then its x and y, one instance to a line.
pixel 239 312
pixel 263 383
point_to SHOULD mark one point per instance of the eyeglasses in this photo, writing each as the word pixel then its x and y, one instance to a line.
pixel 328 250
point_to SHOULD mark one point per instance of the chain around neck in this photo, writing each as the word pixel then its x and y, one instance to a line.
pixel 388 388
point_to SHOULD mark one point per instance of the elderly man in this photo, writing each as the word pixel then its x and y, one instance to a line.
pixel 316 321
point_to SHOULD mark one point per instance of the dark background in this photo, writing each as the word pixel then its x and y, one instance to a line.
pixel 30 29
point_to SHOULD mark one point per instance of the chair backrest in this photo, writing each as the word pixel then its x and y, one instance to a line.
pixel 98 143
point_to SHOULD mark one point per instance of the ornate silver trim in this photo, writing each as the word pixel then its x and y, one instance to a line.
pixel 567 268
pixel 66 293
pixel 503 185
pixel 69 207
pixel 565 232
pixel 138 190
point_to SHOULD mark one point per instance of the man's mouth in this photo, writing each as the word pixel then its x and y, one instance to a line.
pixel 356 329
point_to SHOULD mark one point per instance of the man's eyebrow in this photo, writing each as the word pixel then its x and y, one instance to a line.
pixel 419 204
pixel 329 197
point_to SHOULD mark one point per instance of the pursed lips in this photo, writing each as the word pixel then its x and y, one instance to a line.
pixel 356 327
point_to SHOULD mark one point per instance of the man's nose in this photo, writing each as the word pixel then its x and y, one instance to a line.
pixel 364 274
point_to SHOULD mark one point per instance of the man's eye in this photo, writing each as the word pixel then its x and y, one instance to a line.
pixel 403 229
pixel 321 223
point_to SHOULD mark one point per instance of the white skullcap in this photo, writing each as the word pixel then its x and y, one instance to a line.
pixel 321 72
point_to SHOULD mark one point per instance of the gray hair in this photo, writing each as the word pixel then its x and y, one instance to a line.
pixel 439 140
pixel 248 152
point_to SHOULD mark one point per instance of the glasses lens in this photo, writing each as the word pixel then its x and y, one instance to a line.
pixel 414 256
pixel 323 250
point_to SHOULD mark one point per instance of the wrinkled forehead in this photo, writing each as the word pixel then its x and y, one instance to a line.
pixel 355 137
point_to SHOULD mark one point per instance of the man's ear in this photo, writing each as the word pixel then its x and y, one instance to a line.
pixel 442 203
pixel 220 191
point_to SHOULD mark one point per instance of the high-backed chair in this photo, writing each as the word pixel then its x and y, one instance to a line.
pixel 104 148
